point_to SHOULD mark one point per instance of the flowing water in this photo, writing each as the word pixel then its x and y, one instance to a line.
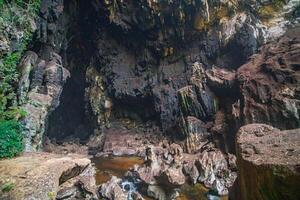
pixel 106 167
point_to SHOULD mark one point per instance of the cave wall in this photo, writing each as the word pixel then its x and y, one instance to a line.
pixel 176 61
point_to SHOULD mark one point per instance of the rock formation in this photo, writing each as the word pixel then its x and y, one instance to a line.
pixel 109 77
pixel 268 162
pixel 169 168
pixel 46 176
pixel 269 84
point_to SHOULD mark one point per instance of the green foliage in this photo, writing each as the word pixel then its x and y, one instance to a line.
pixel 8 186
pixel 51 195
pixel 11 141
pixel 15 16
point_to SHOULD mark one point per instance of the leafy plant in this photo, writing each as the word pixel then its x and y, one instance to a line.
pixel 8 186
pixel 11 141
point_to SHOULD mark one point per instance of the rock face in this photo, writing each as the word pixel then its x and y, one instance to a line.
pixel 268 162
pixel 40 94
pixel 46 176
pixel 270 84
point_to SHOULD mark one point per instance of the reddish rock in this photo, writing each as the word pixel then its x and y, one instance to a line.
pixel 270 83
pixel 43 176
pixel 220 79
pixel 215 171
pixel 268 162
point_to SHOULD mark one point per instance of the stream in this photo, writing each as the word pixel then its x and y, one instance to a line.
pixel 106 167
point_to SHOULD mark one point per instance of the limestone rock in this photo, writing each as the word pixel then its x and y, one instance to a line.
pixel 268 162
pixel 220 79
pixel 195 132
pixel 172 177
pixel 214 171
pixel 42 96
pixel 111 190
pixel 156 192
pixel 270 84
pixel 40 175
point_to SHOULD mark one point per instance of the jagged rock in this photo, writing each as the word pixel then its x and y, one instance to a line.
pixel 152 167
pixel 196 102
pixel 26 66
pixel 46 84
pixel 269 83
pixel 172 177
pixel 244 30
pixel 190 169
pixel 195 132
pixel 268 162
pixel 221 80
pixel 214 171
pixel 210 167
pixel 220 130
pixel 41 175
pixel 82 186
pixel 111 190
pixel 156 192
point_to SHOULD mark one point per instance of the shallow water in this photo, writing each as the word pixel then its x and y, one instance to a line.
pixel 118 166
pixel 113 166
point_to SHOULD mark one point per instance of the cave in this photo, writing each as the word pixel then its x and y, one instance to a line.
pixel 70 121
pixel 151 99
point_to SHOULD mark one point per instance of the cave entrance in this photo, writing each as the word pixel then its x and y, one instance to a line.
pixel 69 121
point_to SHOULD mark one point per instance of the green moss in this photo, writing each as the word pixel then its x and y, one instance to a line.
pixel 269 11
pixel 8 186
pixel 51 195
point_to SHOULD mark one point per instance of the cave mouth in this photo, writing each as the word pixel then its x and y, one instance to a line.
pixel 69 121
pixel 140 110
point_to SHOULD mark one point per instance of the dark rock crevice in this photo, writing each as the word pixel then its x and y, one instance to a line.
pixel 71 120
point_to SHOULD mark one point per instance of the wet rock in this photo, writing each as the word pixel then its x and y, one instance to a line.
pixel 112 190
pixel 210 167
pixel 40 175
pixel 195 132
pixel 214 171
pixel 269 84
pixel 137 196
pixel 156 192
pixel 191 171
pixel 152 168
pixel 268 162
pixel 172 177
pixel 196 102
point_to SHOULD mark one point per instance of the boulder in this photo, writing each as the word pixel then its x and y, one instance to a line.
pixel 268 162
pixel 172 177
pixel 41 176
pixel 111 190
pixel 156 192
pixel 215 172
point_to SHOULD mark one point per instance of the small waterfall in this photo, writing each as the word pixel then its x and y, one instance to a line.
pixel 129 187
